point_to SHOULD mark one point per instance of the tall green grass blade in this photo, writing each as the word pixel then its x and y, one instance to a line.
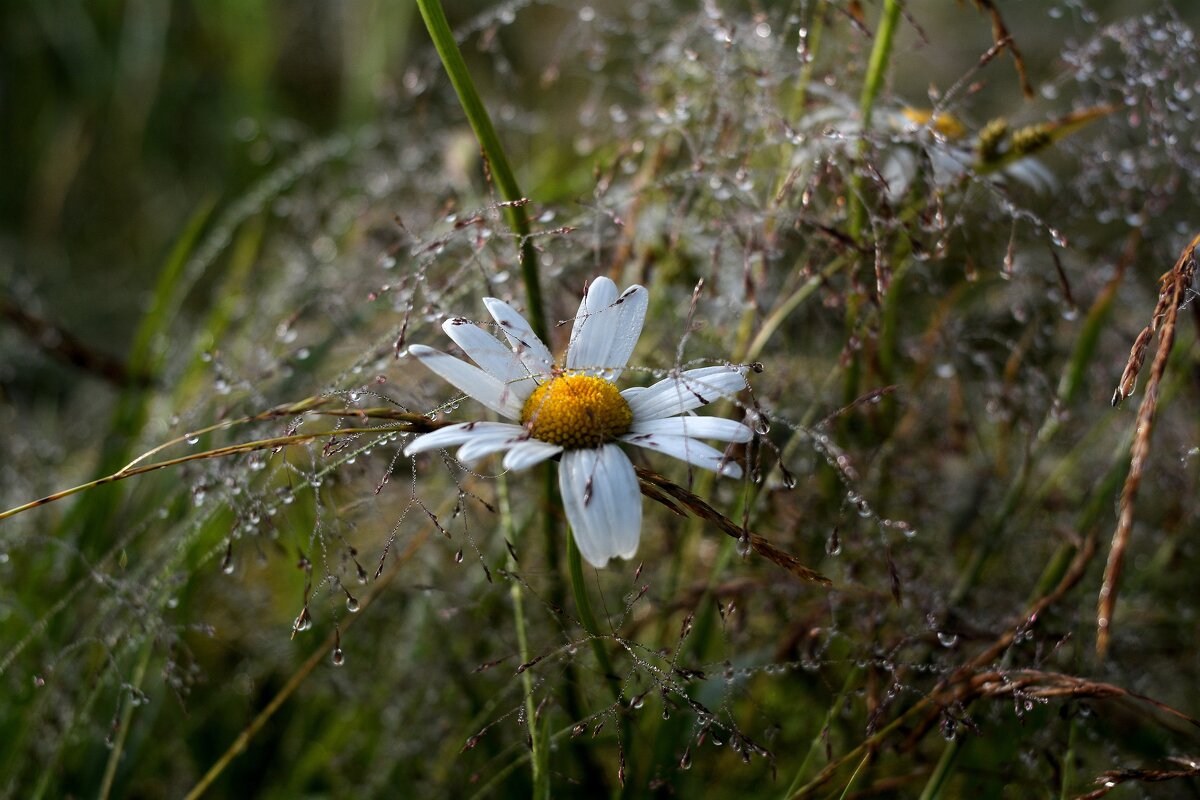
pixel 493 151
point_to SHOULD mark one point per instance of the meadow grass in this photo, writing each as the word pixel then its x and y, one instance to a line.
pixel 957 563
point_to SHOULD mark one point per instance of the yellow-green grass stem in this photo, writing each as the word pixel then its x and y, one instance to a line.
pixel 876 71
pixel 539 760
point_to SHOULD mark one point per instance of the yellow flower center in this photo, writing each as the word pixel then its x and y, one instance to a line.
pixel 574 411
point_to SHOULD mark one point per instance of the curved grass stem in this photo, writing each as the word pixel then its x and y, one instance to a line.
pixel 219 452
pixel 493 151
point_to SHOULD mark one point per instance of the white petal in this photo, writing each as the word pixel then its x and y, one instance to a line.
pixel 726 430
pixel 604 507
pixel 607 328
pixel 526 454
pixel 471 380
pixel 586 333
pixel 491 442
pixel 531 350
pixel 685 449
pixel 458 434
pixel 496 358
pixel 632 392
pixel 688 390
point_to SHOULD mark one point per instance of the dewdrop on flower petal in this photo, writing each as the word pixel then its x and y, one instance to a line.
pixel 575 411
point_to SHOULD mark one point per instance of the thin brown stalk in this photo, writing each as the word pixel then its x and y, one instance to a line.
pixel 950 689
pixel 1113 778
pixel 1002 37
pixel 655 486
pixel 1175 285
pixel 956 688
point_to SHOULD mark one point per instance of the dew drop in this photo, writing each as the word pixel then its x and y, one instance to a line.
pixel 948 730
pixel 352 604
pixel 743 546
pixel 338 657
pixel 788 479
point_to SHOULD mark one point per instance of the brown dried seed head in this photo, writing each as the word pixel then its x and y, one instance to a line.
pixel 1137 356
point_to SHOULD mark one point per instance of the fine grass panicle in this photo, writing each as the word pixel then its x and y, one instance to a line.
pixel 605 400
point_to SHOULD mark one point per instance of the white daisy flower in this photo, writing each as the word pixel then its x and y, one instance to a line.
pixel 576 410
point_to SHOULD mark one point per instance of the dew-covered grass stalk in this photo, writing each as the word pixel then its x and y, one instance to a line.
pixel 539 754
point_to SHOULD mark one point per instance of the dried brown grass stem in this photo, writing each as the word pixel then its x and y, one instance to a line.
pixel 1174 287
pixel 677 498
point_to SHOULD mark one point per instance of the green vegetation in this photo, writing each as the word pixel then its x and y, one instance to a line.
pixel 958 564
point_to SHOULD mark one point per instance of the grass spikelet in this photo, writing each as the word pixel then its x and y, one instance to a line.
pixel 1173 293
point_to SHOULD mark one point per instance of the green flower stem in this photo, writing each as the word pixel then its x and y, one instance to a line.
pixel 876 70
pixel 584 606
pixel 493 151
pixel 538 753
pixel 880 55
